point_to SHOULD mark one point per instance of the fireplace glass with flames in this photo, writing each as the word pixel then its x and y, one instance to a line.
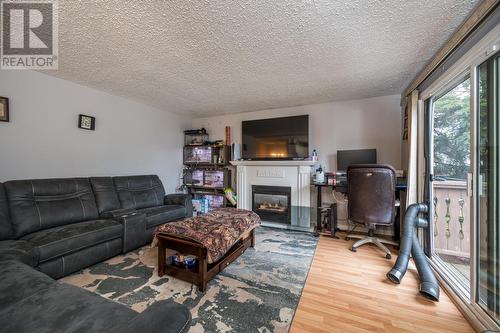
pixel 272 203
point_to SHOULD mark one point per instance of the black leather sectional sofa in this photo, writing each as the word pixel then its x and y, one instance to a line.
pixel 50 228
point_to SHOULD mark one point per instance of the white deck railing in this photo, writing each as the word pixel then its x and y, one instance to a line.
pixel 451 219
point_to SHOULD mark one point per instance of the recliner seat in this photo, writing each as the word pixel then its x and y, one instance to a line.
pixel 59 218
pixel 59 241
pixel 140 194
pixel 156 215
pixel 146 195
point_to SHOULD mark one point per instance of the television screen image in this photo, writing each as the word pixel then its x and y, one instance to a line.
pixel 276 138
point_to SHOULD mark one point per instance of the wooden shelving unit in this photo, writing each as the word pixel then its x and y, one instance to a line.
pixel 208 172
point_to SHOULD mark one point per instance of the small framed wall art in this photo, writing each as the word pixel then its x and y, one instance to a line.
pixel 4 109
pixel 86 122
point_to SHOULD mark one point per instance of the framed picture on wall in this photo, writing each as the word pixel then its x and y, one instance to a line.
pixel 86 122
pixel 4 109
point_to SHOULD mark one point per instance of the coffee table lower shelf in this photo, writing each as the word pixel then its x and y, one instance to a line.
pixel 202 272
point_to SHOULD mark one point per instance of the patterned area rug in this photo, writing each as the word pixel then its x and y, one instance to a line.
pixel 259 292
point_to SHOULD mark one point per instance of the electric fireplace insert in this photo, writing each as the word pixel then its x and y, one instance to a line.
pixel 272 203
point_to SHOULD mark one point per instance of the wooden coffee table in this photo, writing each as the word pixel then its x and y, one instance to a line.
pixel 202 272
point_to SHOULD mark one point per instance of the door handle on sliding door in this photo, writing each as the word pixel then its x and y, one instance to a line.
pixel 469 184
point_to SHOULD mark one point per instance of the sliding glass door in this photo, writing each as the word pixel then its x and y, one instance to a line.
pixel 463 179
pixel 488 187
pixel 450 166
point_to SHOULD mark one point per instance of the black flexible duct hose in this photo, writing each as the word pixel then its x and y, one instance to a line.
pixel 429 286
pixel 399 269
pixel 410 244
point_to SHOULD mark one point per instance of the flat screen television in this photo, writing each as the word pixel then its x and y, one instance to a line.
pixel 284 138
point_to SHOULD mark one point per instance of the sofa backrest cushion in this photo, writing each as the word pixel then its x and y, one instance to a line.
pixel 5 224
pixel 105 194
pixel 45 203
pixel 138 192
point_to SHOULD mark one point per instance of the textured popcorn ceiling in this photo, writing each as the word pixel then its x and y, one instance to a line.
pixel 216 57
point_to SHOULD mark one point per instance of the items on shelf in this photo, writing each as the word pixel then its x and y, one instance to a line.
pixel 207 178
pixel 195 137
pixel 196 131
pixel 214 201
pixel 188 261
pixel 200 206
pixel 236 152
pixel 214 178
pixel 314 156
pixel 204 203
pixel 207 173
pixel 216 143
pixel 206 154
pixel 230 196
pixel 330 178
pixel 228 135
pixel 319 176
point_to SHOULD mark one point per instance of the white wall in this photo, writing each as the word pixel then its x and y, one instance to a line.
pixel 42 138
pixel 357 124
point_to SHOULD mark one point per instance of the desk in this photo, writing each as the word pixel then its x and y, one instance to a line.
pixel 400 187
pixel 317 227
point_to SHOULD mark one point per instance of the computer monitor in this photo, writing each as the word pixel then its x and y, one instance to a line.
pixel 358 156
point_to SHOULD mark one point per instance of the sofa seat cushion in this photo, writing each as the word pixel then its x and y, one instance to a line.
pixel 33 302
pixel 30 301
pixel 19 250
pixel 20 281
pixel 56 242
pixel 162 214
pixel 117 213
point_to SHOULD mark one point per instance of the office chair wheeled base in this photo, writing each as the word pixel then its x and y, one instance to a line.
pixel 379 242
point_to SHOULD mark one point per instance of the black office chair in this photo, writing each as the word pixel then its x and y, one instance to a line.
pixel 371 195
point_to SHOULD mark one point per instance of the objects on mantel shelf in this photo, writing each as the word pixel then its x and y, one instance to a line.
pixel 314 156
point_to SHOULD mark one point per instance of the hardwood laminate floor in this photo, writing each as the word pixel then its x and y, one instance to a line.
pixel 348 292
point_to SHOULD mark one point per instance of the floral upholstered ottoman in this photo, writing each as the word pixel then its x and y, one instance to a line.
pixel 216 239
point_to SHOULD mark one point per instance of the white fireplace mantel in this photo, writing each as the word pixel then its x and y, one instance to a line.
pixel 274 163
pixel 294 174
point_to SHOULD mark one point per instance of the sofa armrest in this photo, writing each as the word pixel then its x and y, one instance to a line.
pixel 117 213
pixel 134 231
pixel 19 250
pixel 181 199
pixel 163 317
